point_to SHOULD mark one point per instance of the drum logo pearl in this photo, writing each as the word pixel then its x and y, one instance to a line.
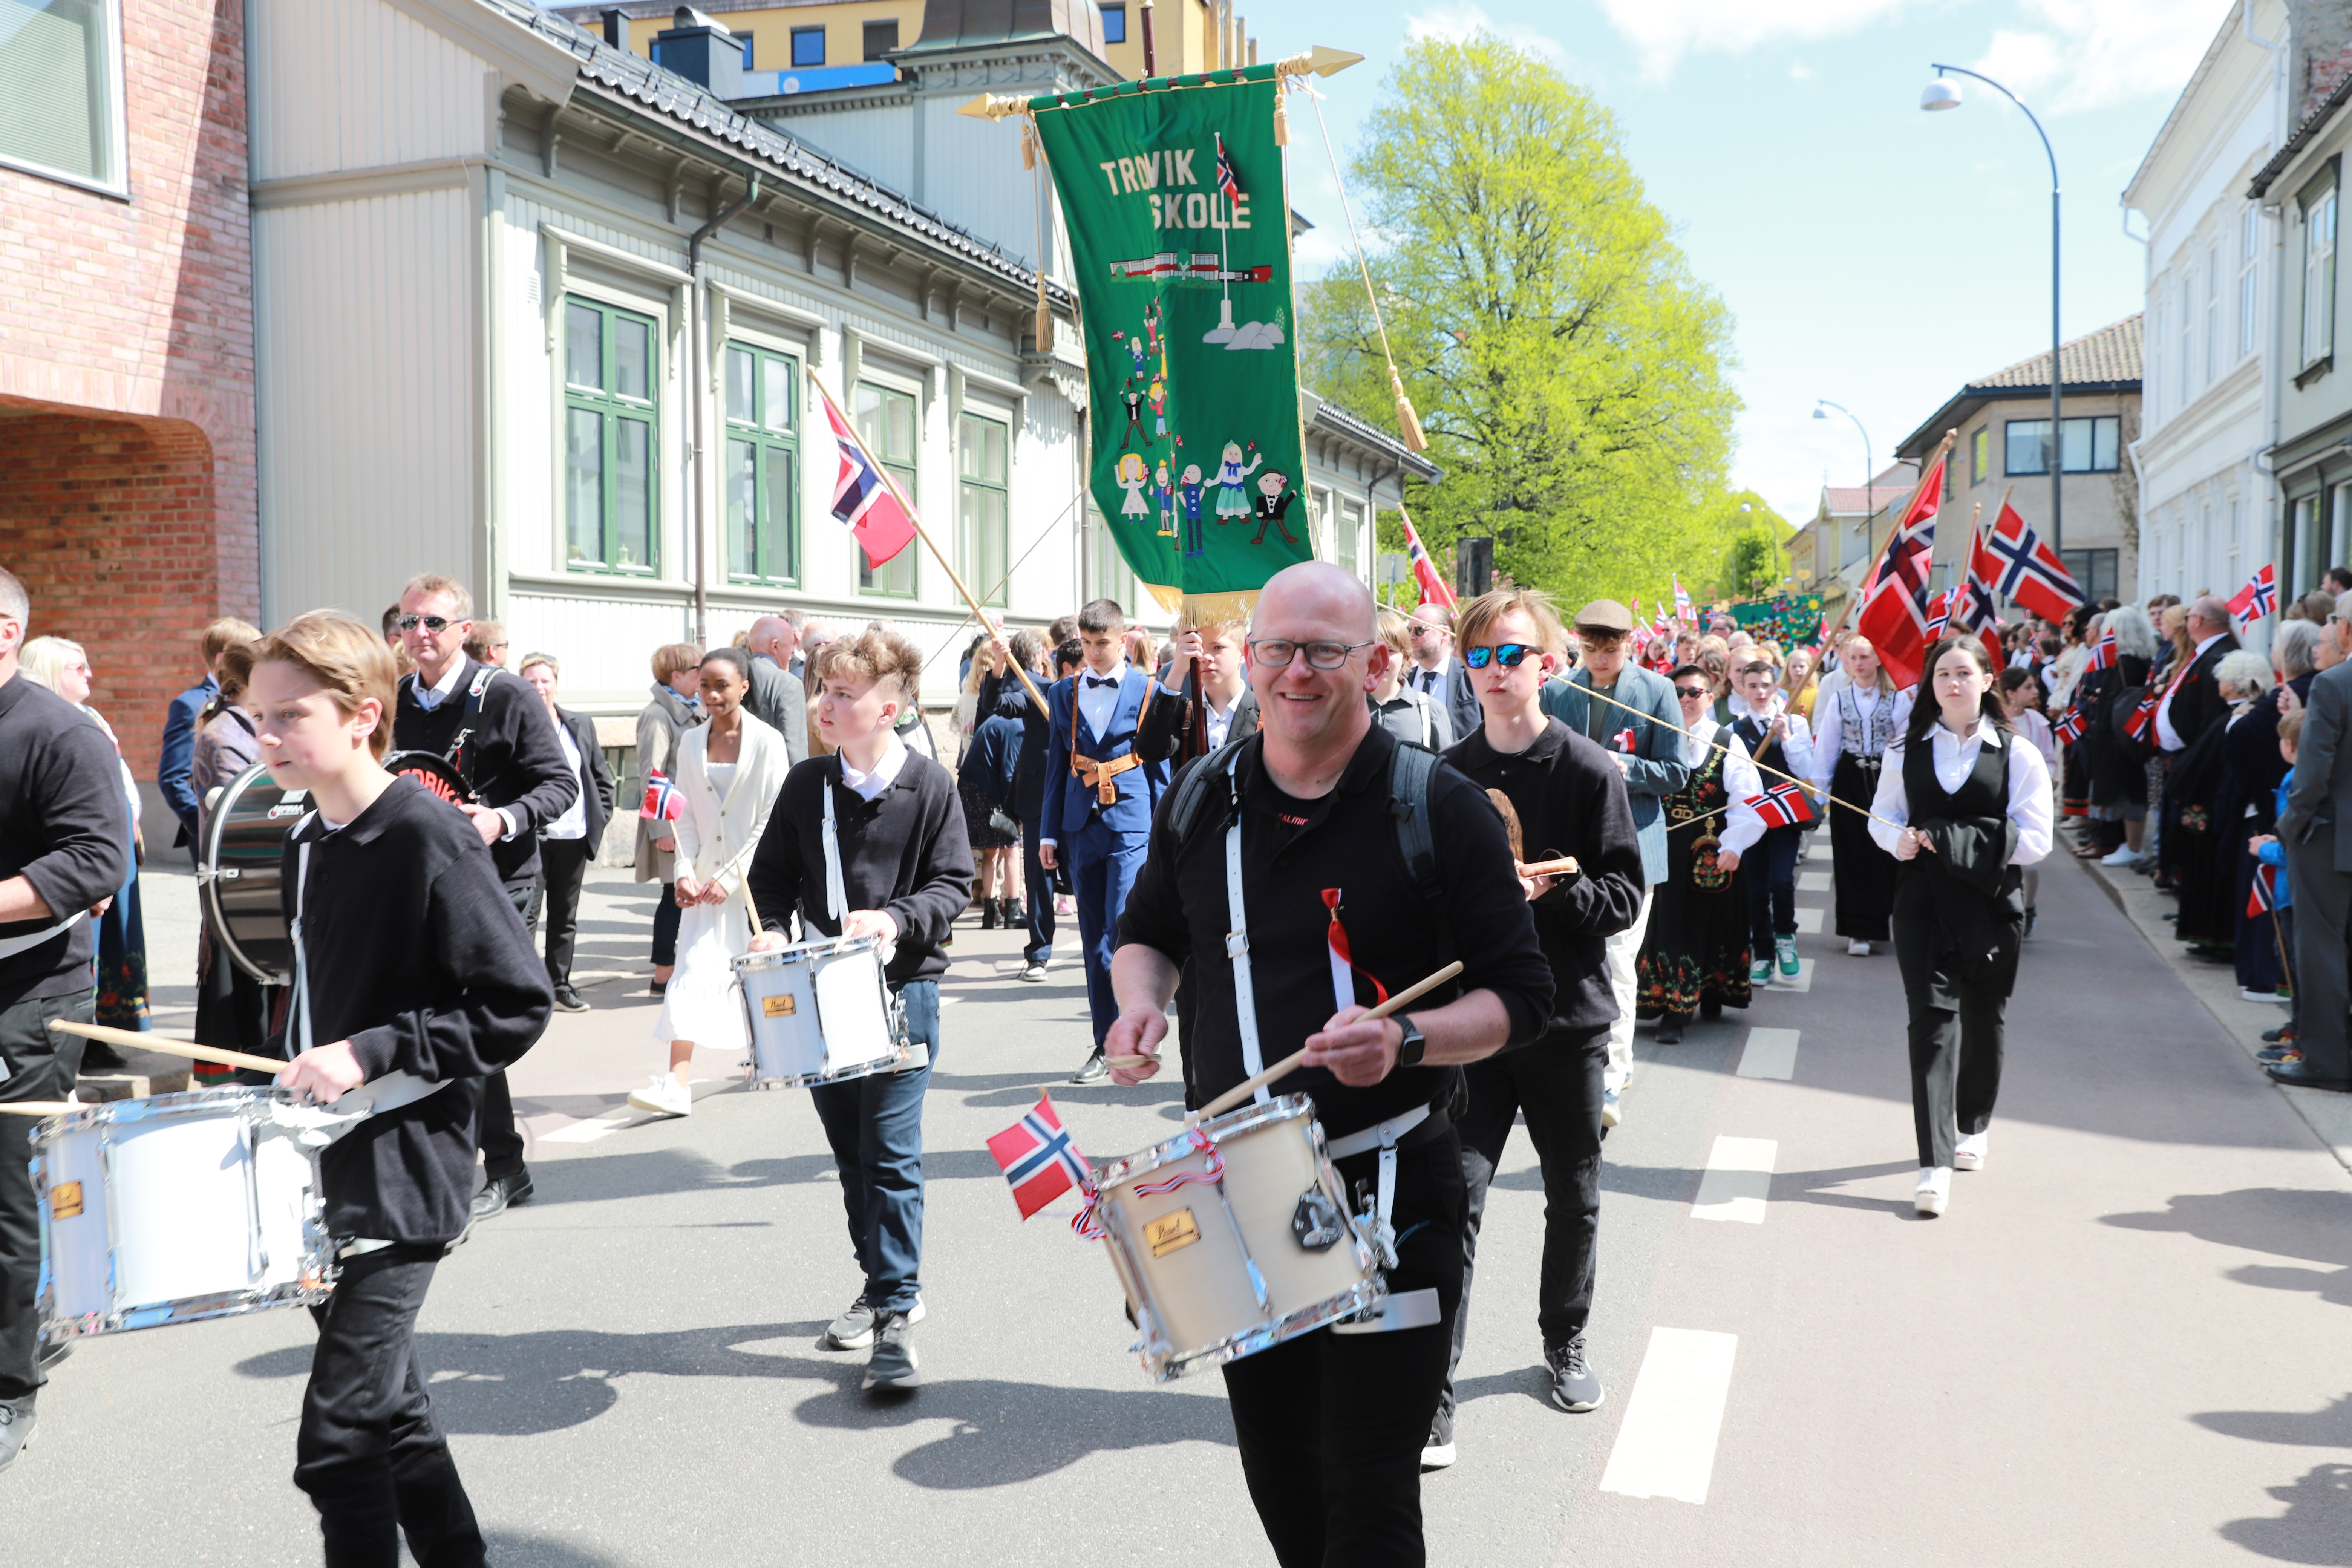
pixel 65 1200
pixel 1169 1232
pixel 778 1006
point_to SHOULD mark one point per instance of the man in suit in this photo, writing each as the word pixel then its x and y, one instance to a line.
pixel 2315 829
pixel 1213 654
pixel 1100 792
pixel 1436 673
pixel 2193 700
pixel 172 770
pixel 1648 754
pixel 568 844
pixel 778 697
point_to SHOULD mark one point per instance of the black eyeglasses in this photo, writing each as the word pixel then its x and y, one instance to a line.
pixel 1275 654
pixel 1423 630
pixel 430 623
pixel 1508 655
pixel 1694 691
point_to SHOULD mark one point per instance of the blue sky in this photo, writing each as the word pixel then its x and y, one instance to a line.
pixel 1870 253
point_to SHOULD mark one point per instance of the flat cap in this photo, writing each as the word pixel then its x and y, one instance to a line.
pixel 1605 615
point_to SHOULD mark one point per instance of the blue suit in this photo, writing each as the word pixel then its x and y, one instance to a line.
pixel 1103 845
pixel 173 772
pixel 1657 769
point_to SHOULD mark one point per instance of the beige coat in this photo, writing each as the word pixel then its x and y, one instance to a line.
pixel 666 720
pixel 714 839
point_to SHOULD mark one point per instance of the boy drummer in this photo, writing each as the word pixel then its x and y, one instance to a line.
pixel 901 864
pixel 426 971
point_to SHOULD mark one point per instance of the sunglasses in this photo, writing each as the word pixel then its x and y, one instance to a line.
pixel 1508 655
pixel 1699 692
pixel 430 623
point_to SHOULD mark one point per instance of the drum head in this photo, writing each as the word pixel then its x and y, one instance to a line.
pixel 237 872
pixel 433 771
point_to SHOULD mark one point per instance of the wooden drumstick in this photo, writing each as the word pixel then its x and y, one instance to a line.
pixel 1251 1085
pixel 1510 816
pixel 169 1046
pixel 40 1107
pixel 1563 867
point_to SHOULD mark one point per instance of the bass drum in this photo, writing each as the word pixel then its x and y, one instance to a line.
pixel 239 873
pixel 434 771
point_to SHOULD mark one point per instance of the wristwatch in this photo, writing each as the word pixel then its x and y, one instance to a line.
pixel 1411 1047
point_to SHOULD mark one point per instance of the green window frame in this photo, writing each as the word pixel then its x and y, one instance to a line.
pixel 983 506
pixel 888 422
pixel 612 439
pixel 759 476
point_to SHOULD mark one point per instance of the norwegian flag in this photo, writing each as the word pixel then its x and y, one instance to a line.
pixel 2263 897
pixel 1037 1157
pixel 2069 727
pixel 2025 570
pixel 2258 597
pixel 1782 805
pixel 1623 740
pixel 1895 600
pixel 1433 590
pixel 1682 600
pixel 2103 653
pixel 2143 718
pixel 1973 609
pixel 662 802
pixel 1226 182
pixel 1939 612
pixel 862 497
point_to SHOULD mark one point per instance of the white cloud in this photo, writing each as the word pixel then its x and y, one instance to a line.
pixel 1459 19
pixel 2076 54
pixel 1663 31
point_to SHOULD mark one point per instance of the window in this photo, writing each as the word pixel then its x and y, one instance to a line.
pixel 2212 314
pixel 1981 456
pixel 1114 24
pixel 1347 536
pixel 2319 277
pixel 2092 446
pixel 881 37
pixel 61 90
pixel 984 537
pixel 2249 234
pixel 886 423
pixel 2305 572
pixel 808 47
pixel 610 437
pixel 2152 390
pixel 2094 569
pixel 763 542
pixel 747 49
pixel 1103 567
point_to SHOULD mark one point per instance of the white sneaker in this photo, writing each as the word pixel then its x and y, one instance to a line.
pixel 1934 1192
pixel 1857 949
pixel 1610 1113
pixel 1969 1154
pixel 2127 856
pixel 665 1096
pixel 1035 972
pixel 2246 995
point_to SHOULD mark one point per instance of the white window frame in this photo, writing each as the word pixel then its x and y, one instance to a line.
pixel 2212 314
pixel 117 135
pixel 2319 277
pixel 2249 231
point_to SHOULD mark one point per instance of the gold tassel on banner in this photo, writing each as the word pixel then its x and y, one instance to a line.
pixel 1044 319
pixel 1028 144
pixel 1408 422
pixel 1281 119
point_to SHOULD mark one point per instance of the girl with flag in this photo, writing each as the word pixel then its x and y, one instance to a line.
pixel 1964 804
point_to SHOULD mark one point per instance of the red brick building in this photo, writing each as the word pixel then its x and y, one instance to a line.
pixel 127 500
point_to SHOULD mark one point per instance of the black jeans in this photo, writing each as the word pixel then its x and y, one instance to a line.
pixel 562 868
pixel 42 1064
pixel 1038 883
pixel 1331 1426
pixel 1557 1083
pixel 494 1127
pixel 368 1452
pixel 1771 867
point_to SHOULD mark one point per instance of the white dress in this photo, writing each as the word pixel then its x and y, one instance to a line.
pixel 698 1004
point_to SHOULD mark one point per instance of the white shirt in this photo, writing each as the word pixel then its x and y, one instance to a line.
pixel 573 823
pixel 1221 719
pixel 1797 744
pixel 2166 737
pixel 1098 703
pixel 1433 681
pixel 431 697
pixel 2029 788
pixel 866 785
pixel 1829 737
pixel 1741 781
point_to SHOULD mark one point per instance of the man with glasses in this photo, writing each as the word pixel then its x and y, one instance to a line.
pixel 1629 712
pixel 1436 673
pixel 497 735
pixel 2315 829
pixel 1328 1422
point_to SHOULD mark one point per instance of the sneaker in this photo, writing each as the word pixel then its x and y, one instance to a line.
pixel 1784 948
pixel 1439 1451
pixel 1857 949
pixel 2282 1036
pixel 892 1364
pixel 1612 1108
pixel 1969 1153
pixel 1096 1068
pixel 569 1000
pixel 2029 922
pixel 2124 856
pixel 1670 1029
pixel 1761 972
pixel 1575 1387
pixel 2277 1055
pixel 1035 972
pixel 1935 1190
pixel 16 1430
pixel 854 1330
pixel 2259 995
pixel 663 1096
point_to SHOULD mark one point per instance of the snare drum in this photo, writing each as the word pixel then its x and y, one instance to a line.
pixel 821 1013
pixel 178 1208
pixel 1220 1267
pixel 237 873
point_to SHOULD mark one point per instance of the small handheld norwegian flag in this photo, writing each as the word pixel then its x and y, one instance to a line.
pixel 2069 727
pixel 662 802
pixel 1782 805
pixel 1623 740
pixel 2258 597
pixel 1037 1157
pixel 2143 718
pixel 2263 897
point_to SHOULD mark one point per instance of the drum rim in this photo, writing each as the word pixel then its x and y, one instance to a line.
pixel 1167 1363
pixel 439 764
pixel 1281 1108
pixel 239 1099
pixel 217 922
pixel 832 946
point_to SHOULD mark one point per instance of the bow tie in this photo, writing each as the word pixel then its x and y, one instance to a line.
pixel 1093 680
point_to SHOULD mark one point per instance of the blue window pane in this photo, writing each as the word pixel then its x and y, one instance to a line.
pixel 808 47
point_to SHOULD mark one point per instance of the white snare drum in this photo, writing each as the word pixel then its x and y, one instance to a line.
pixel 1218 1267
pixel 176 1208
pixel 821 1013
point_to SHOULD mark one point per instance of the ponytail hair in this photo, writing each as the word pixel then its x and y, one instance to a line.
pixel 1926 711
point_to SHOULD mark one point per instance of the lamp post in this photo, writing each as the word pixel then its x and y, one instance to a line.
pixel 1869 469
pixel 1945 94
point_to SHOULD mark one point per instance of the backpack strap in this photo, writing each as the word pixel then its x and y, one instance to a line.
pixel 1411 769
pixel 457 756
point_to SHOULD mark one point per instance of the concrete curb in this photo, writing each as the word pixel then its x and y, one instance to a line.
pixel 2328 1115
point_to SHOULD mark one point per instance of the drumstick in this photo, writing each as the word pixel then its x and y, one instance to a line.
pixel 1510 821
pixel 38 1107
pixel 1251 1085
pixel 751 904
pixel 1563 867
pixel 169 1046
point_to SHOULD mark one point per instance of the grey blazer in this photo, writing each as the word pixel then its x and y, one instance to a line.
pixel 1657 769
pixel 779 700
pixel 2321 799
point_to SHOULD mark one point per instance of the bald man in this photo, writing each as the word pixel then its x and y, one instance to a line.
pixel 777 698
pixel 1330 1424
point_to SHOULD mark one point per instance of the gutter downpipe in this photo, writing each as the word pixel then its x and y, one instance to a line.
pixel 698 365
pixel 2266 479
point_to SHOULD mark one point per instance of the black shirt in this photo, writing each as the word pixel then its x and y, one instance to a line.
pixel 1293 849
pixel 1570 800
pixel 905 852
pixel 64 826
pixel 415 955
pixel 512 757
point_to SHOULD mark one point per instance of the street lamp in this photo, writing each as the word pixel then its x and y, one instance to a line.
pixel 1869 466
pixel 1943 93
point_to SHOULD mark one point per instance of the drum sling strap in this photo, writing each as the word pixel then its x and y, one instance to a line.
pixel 11 946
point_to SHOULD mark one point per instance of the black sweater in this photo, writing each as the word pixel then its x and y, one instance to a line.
pixel 512 757
pixel 415 955
pixel 64 826
pixel 1571 801
pixel 904 853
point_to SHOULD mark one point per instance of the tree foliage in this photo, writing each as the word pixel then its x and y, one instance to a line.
pixel 1567 368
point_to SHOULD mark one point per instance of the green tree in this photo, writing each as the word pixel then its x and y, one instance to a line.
pixel 1567 368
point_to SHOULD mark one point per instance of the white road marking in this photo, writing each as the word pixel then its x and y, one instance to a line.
pixel 1738 1179
pixel 1812 881
pixel 588 1132
pixel 1769 1053
pixel 1809 922
pixel 949 1001
pixel 1803 982
pixel 1665 1448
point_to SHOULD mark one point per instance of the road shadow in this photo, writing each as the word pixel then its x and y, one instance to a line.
pixel 2316 1527
pixel 2328 1428
pixel 2289 1222
pixel 1813 1187
pixel 513 1547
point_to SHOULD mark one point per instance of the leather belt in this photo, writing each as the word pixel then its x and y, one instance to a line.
pixel 1102 774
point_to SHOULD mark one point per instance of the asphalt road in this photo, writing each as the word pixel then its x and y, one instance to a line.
pixel 2124 1344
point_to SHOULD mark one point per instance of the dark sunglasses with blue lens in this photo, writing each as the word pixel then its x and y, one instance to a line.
pixel 1508 655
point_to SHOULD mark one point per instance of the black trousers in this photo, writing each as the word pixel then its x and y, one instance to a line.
pixel 1557 1083
pixel 667 914
pixel 42 1064
pixel 1862 873
pixel 1955 1050
pixel 495 1129
pixel 368 1452
pixel 2323 912
pixel 562 869
pixel 1331 1426
pixel 1770 865
pixel 1038 884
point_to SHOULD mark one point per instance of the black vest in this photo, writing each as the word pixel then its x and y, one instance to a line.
pixel 1984 793
pixel 1978 933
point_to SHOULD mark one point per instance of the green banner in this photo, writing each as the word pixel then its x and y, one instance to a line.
pixel 1179 223
pixel 1792 620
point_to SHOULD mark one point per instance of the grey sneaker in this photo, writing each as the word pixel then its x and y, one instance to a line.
pixel 1439 1451
pixel 892 1365
pixel 1035 972
pixel 1575 1387
pixel 854 1330
pixel 16 1430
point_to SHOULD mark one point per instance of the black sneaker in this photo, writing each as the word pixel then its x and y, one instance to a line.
pixel 1439 1451
pixel 1670 1029
pixel 1575 1387
pixel 96 1055
pixel 16 1430
pixel 2282 1036
pixel 892 1365
pixel 2029 922
pixel 2278 1056
pixel 1095 1071
pixel 569 1000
